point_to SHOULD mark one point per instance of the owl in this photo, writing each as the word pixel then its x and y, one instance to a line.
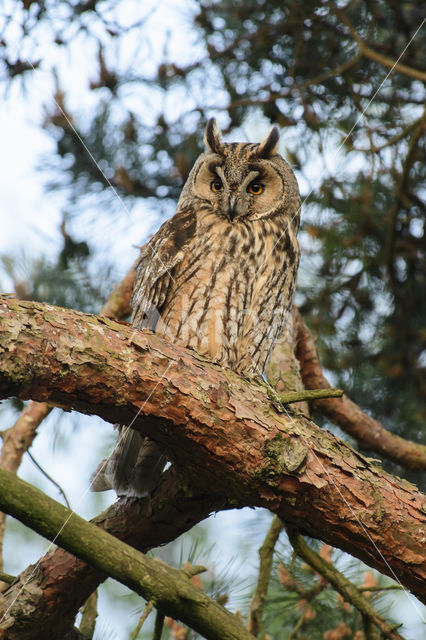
pixel 218 277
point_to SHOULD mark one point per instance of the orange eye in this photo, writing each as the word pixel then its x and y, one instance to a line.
pixel 216 185
pixel 255 188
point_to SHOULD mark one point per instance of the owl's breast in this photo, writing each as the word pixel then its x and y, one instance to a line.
pixel 221 299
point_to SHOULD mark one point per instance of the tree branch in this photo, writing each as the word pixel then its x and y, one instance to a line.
pixel 266 554
pixel 344 586
pixel 348 416
pixel 170 589
pixel 49 595
pixel 368 52
pixel 217 427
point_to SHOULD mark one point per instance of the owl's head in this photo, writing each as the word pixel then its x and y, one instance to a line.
pixel 243 181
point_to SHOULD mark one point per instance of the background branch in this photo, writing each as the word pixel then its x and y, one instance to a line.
pixel 348 416
pixel 266 554
pixel 344 586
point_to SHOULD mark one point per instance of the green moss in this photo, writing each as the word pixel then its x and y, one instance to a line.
pixel 285 455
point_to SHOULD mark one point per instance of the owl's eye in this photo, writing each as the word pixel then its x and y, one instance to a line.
pixel 216 185
pixel 255 188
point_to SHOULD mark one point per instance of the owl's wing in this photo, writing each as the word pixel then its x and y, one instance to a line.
pixel 156 265
pixel 136 463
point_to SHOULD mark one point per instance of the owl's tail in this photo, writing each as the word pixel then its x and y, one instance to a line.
pixel 134 467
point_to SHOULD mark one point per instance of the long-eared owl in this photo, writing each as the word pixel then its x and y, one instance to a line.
pixel 218 277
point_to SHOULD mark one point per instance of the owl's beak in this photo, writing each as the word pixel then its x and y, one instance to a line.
pixel 232 207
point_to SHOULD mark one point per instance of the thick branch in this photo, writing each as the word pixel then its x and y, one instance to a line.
pixel 50 597
pixel 348 416
pixel 219 428
pixel 170 590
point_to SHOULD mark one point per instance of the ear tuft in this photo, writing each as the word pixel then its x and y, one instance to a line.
pixel 269 145
pixel 213 136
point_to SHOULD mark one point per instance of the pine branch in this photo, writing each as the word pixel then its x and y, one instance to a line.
pixel 344 586
pixel 170 589
pixel 266 553
pixel 219 428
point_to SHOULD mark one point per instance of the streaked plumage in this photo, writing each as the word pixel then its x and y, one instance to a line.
pixel 218 277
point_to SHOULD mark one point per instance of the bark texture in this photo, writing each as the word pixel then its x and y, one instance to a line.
pixel 219 429
pixel 170 589
pixel 45 608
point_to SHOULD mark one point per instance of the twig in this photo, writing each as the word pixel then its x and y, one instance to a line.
pixel 89 613
pixel 298 624
pixel 44 472
pixel 158 627
pixel 193 570
pixel 348 590
pixel 145 614
pixel 266 552
pixel 309 394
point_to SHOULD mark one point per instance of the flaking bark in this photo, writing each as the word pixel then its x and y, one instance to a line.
pixel 217 427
